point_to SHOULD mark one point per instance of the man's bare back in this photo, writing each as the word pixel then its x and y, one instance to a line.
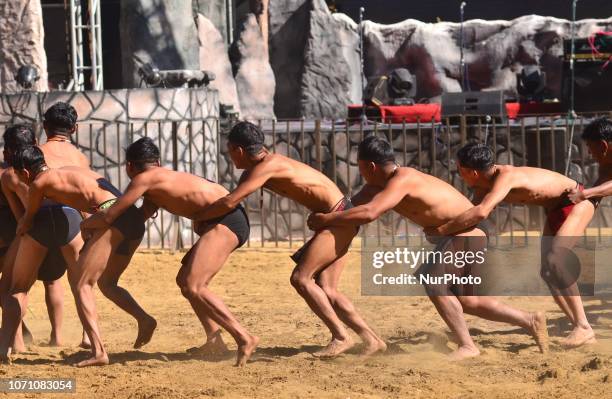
pixel 76 187
pixel 179 193
pixel 63 153
pixel 299 182
pixel 533 186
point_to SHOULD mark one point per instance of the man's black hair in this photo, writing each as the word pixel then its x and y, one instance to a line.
pixel 375 149
pixel 598 129
pixel 476 156
pixel 17 137
pixel 61 117
pixel 30 159
pixel 248 136
pixel 142 152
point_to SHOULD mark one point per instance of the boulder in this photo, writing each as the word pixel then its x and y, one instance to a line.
pixel 215 11
pixel 214 58
pixel 255 81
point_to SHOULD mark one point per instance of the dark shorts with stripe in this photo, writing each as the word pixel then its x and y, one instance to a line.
pixel 131 225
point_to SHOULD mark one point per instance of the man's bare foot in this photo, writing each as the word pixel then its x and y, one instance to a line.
pixel 145 332
pixel 100 360
pixel 246 350
pixel 578 337
pixel 539 330
pixel 55 340
pixel 5 359
pixel 213 347
pixel 463 352
pixel 335 347
pixel 85 343
pixel 373 346
pixel 18 346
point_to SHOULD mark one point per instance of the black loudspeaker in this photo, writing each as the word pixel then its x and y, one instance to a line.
pixel 475 104
pixel 592 86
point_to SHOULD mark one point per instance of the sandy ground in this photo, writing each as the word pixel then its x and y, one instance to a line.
pixel 255 285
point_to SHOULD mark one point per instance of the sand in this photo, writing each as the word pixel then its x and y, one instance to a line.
pixel 255 285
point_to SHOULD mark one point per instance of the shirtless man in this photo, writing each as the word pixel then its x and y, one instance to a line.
pixel 8 224
pixel 44 237
pixel 428 202
pixel 321 261
pixel 88 192
pixel 184 194
pixel 565 221
pixel 598 138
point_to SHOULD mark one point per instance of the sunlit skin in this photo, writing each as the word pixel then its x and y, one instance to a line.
pixel 532 186
pixel 317 275
pixel 429 202
pixel 79 188
pixel 184 194
pixel 58 152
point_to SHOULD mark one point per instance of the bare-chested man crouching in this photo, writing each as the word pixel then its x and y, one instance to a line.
pixel 428 202
pixel 54 240
pixel 565 221
pixel 184 194
pixel 87 192
pixel 321 261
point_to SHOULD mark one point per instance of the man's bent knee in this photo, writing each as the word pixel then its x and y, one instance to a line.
pixel 299 281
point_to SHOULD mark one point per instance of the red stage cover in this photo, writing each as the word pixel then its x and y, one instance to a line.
pixel 426 112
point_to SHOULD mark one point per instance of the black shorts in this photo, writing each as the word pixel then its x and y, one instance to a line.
pixel 131 225
pixel 53 266
pixel 55 226
pixel 236 220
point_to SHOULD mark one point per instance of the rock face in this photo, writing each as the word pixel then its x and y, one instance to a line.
pixel 313 57
pixel 495 51
pixel 288 27
pixel 159 31
pixel 21 43
pixel 214 58
pixel 215 12
pixel 254 77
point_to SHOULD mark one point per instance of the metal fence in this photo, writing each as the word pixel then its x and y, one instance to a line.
pixel 331 147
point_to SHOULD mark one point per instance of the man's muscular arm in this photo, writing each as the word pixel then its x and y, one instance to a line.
pixel 35 199
pixel 602 190
pixel 502 186
pixel 381 202
pixel 250 181
pixel 7 181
